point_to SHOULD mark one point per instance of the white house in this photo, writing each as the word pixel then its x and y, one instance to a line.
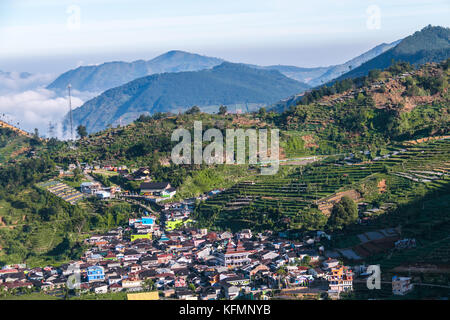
pixel 401 285
pixel 103 195
pixel 101 289
pixel 330 263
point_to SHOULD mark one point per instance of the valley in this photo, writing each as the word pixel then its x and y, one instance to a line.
pixel 362 180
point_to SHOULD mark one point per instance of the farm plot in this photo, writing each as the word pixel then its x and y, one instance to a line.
pixel 62 191
pixel 283 196
pixel 279 201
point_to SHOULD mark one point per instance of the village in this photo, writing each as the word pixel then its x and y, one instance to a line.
pixel 159 255
pixel 194 264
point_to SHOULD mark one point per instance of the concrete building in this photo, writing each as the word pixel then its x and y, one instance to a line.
pixel 401 285
pixel 234 256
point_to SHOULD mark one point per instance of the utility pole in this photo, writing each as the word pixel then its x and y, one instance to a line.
pixel 70 112
pixel 51 130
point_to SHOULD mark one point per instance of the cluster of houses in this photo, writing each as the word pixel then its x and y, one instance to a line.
pixel 196 264
pixel 157 191
pixel 401 285
pixel 94 188
pixel 154 191
pixel 177 214
pixel 188 264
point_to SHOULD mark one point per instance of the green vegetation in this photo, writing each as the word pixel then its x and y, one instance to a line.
pixel 430 44
pixel 105 296
pixel 355 120
pixel 13 145
pixel 285 200
pixel 344 212
pixel 29 296
pixel 405 181
pixel 38 227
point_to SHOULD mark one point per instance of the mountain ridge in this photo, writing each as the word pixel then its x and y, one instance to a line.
pixel 99 78
pixel 430 44
pixel 225 84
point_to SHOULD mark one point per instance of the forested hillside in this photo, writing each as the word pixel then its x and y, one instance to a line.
pixel 431 44
pixel 226 84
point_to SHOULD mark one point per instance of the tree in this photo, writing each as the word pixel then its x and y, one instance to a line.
pixel 193 110
pixel 282 271
pixel 149 284
pixel 312 219
pixel 343 213
pixel 47 212
pixel 306 260
pixel 77 174
pixel 223 110
pixel 262 112
pixel 82 132
pixel 374 74
pixel 143 118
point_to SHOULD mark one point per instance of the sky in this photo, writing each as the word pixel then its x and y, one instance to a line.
pixel 62 34
pixel 49 37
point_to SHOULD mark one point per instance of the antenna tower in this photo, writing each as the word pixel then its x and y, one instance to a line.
pixel 70 112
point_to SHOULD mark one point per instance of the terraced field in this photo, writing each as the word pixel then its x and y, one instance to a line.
pixel 409 170
pixel 291 191
pixel 62 190
pixel 420 187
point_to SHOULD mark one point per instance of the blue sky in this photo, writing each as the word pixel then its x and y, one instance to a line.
pixel 294 32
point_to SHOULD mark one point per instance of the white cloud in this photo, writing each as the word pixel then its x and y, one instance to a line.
pixel 36 108
pixel 14 82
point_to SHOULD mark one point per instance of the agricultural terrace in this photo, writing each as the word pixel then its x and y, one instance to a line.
pixel 283 200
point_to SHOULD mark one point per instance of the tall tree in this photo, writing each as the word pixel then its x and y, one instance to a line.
pixel 223 110
pixel 193 110
pixel 343 213
pixel 82 132
pixel 262 112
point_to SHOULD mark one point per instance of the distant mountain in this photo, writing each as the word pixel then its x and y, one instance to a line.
pixel 108 75
pixel 306 75
pixel 431 44
pixel 112 74
pixel 336 71
pixel 321 75
pixel 226 84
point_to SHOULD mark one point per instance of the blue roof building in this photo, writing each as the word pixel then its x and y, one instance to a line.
pixel 163 238
pixel 95 273
pixel 147 221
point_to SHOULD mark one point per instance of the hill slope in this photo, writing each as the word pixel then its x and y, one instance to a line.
pixel 112 74
pixel 13 142
pixel 338 70
pixel 431 44
pixel 226 84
